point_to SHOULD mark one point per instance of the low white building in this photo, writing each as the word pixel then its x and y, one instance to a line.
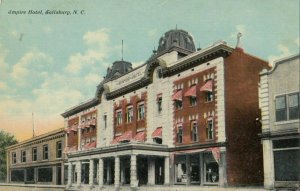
pixel 280 112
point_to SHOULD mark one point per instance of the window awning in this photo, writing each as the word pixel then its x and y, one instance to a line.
pixel 157 133
pixel 140 136
pixel 90 145
pixel 207 87
pixel 70 149
pixel 93 122
pixel 74 128
pixel 214 150
pixel 127 136
pixel 191 92
pixel 67 130
pixel 116 140
pixel 177 96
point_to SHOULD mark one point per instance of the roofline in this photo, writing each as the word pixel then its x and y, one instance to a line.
pixel 82 106
pixel 280 61
pixel 51 133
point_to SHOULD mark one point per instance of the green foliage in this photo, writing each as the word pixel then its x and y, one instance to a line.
pixel 6 140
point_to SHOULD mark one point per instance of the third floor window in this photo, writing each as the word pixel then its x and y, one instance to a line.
pixel 141 111
pixel 287 107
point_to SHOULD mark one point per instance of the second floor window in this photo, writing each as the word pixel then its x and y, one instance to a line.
pixel 58 149
pixel 119 117
pixel 141 111
pixel 13 157
pixel 23 156
pixel 209 96
pixel 178 104
pixel 34 154
pixel 129 114
pixel 45 152
pixel 194 131
pixel 287 107
pixel 210 129
pixel 180 134
pixel 193 101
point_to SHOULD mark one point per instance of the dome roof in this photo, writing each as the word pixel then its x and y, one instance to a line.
pixel 176 38
pixel 118 68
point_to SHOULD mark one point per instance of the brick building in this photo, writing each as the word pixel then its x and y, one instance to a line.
pixel 280 107
pixel 39 160
pixel 183 117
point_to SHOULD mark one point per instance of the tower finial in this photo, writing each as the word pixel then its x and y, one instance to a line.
pixel 122 50
pixel 238 43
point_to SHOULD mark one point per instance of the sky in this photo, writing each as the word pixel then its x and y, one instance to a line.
pixel 51 62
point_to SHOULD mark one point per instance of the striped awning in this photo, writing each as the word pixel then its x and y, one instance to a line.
pixel 207 87
pixel 70 149
pixel 140 136
pixel 116 140
pixel 157 133
pixel 214 150
pixel 93 122
pixel 127 136
pixel 90 145
pixel 177 96
pixel 191 92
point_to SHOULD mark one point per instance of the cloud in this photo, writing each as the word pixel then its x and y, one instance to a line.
pixel 47 29
pixel 93 79
pixel 3 85
pixel 3 64
pixel 29 66
pixel 99 50
pixel 136 64
pixel 284 51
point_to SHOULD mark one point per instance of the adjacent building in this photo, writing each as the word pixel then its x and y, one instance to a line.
pixel 39 160
pixel 185 116
pixel 280 111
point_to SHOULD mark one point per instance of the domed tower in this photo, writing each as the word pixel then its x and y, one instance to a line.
pixel 178 40
pixel 118 68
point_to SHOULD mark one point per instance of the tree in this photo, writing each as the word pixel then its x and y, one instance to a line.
pixel 6 139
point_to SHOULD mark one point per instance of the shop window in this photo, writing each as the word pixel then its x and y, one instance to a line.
pixel 209 96
pixel 212 172
pixel 210 129
pixel 119 117
pixel 280 104
pixel 159 104
pixel 180 169
pixel 23 156
pixel 178 104
pixel 141 111
pixel 30 174
pixel 13 157
pixel 193 101
pixel 286 159
pixel 194 131
pixel 17 175
pixel 179 134
pixel 45 174
pixel 45 152
pixel 294 106
pixel 34 154
pixel 195 168
pixel 58 149
pixel 129 114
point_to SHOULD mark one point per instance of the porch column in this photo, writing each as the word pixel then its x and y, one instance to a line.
pixel 201 169
pixel 188 169
pixel 91 173
pixel 167 170
pixel 133 177
pixel 151 171
pixel 78 170
pixel 79 139
pixel 117 172
pixel 69 175
pixel 100 169
pixel 222 168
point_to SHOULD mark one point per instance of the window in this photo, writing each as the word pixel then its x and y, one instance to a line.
pixel 286 159
pixel 159 72
pixel 34 154
pixel 17 175
pixel 178 104
pixel 194 131
pixel 141 111
pixel 119 117
pixel 294 106
pixel 105 121
pixel 212 172
pixel 129 114
pixel 45 174
pixel 13 157
pixel 159 104
pixel 210 129
pixel 180 169
pixel 23 156
pixel 45 152
pixel 193 101
pixel 58 149
pixel 287 107
pixel 280 105
pixel 179 134
pixel 209 96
